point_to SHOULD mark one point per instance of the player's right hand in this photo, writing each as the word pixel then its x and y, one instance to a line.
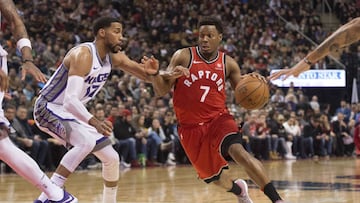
pixel 151 65
pixel 257 75
pixel 30 68
pixel 4 81
pixel 103 127
pixel 300 67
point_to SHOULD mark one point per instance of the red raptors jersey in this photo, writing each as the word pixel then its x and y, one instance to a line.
pixel 201 97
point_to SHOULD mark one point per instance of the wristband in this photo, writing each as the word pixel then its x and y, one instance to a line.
pixel 155 74
pixel 23 42
pixel 307 61
pixel 27 60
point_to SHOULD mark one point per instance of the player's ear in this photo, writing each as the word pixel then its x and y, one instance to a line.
pixel 220 37
pixel 102 32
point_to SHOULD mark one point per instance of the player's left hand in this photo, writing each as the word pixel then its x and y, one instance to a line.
pixel 151 65
pixel 30 68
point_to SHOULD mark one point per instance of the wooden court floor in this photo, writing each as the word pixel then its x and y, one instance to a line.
pixel 333 181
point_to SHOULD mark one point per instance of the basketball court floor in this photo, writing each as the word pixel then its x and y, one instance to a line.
pixel 334 181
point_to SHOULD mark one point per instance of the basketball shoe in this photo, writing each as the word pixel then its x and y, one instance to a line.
pixel 244 196
pixel 68 198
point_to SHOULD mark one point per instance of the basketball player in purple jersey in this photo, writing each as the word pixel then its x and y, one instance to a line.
pixel 60 109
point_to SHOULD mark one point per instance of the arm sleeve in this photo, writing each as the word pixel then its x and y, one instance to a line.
pixel 72 101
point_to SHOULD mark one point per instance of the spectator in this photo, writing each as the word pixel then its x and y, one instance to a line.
pixel 157 142
pixel 293 131
pixel 141 135
pixel 260 143
pixel 314 103
pixel 311 130
pixel 342 133
pixel 344 109
pixel 171 135
pixel 278 97
pixel 276 132
pixel 125 145
pixel 324 141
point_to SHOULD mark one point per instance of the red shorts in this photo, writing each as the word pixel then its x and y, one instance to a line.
pixel 202 145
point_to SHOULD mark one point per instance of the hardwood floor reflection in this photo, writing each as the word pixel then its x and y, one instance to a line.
pixel 333 181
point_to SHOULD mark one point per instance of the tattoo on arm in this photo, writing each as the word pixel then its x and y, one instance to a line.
pixel 8 10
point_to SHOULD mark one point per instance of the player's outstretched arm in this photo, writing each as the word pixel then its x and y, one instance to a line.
pixel 342 37
pixel 163 81
pixel 124 63
pixel 8 10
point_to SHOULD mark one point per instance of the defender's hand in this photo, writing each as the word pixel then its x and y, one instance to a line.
pixel 151 65
pixel 175 73
pixel 300 67
pixel 30 68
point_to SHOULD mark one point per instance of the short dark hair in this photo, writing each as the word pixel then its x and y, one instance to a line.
pixel 104 22
pixel 10 106
pixel 211 20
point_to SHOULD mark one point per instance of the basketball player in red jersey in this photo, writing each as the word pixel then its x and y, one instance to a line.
pixel 207 131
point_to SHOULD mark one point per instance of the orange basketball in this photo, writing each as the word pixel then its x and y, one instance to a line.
pixel 251 92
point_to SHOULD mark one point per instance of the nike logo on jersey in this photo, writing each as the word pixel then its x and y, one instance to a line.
pixel 96 67
pixel 197 62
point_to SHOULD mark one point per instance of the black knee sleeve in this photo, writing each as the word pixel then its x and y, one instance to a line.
pixel 228 141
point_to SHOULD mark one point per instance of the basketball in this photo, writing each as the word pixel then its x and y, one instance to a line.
pixel 252 92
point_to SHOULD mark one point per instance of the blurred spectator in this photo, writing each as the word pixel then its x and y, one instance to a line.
pixel 343 139
pixel 256 130
pixel 311 130
pixel 125 144
pixel 293 131
pixel 314 103
pixel 171 134
pixel 278 97
pixel 157 142
pixel 344 109
pixel 324 141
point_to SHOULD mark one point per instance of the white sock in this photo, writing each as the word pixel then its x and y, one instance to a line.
pixel 53 191
pixel 56 179
pixel 109 194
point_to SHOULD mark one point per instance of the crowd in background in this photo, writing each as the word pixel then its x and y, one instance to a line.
pixel 293 124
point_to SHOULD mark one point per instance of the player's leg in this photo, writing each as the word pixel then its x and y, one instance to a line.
pixel 201 145
pixel 253 167
pixel 79 137
pixel 27 168
pixel 224 135
pixel 110 171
